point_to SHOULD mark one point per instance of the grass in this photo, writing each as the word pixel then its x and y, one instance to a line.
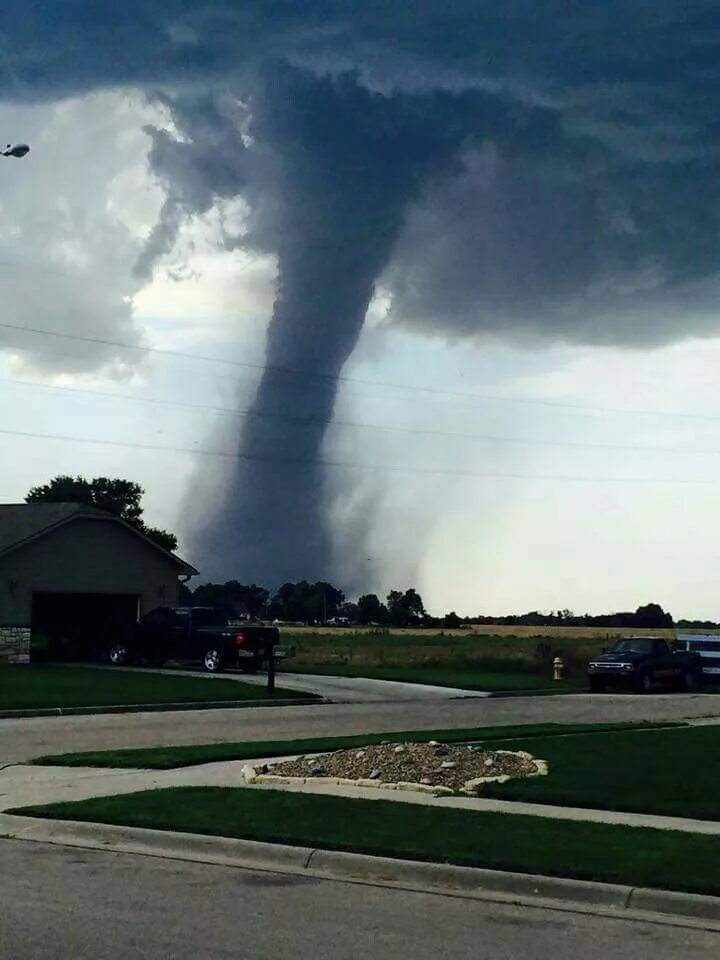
pixel 167 758
pixel 675 772
pixel 32 687
pixel 456 658
pixel 587 851
pixel 469 679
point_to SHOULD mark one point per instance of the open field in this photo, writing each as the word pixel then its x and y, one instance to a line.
pixel 36 687
pixel 589 851
pixel 454 652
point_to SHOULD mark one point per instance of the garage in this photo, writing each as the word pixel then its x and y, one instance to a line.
pixel 79 625
pixel 72 577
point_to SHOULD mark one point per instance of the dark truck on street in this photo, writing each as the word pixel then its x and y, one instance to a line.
pixel 197 634
pixel 642 662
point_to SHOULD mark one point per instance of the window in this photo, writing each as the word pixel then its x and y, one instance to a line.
pixel 156 618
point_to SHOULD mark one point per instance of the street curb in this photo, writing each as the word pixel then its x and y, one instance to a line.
pixel 660 906
pixel 160 707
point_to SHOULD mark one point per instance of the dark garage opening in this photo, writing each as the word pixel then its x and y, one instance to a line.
pixel 79 626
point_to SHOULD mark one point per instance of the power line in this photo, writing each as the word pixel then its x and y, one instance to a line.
pixel 341 378
pixel 346 465
pixel 247 413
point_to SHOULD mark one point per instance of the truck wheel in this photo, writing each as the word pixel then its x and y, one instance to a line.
pixel 249 666
pixel 597 685
pixel 213 660
pixel 119 654
pixel 692 681
pixel 646 682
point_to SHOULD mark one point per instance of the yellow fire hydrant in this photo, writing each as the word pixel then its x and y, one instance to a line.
pixel 558 668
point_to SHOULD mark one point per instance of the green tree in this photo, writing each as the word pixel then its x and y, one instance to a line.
pixel 244 599
pixel 405 609
pixel 653 615
pixel 371 610
pixel 305 601
pixel 121 497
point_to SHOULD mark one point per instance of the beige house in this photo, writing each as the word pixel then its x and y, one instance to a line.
pixel 68 571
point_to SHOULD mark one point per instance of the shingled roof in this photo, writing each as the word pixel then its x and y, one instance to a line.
pixel 23 522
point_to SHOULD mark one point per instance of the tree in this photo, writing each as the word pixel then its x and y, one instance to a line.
pixel 451 620
pixel 243 599
pixel 371 610
pixel 309 602
pixel 120 497
pixel 652 615
pixel 405 608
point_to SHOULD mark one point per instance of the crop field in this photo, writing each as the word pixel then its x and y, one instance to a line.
pixel 454 650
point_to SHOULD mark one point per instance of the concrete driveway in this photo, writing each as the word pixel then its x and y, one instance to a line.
pixel 336 689
pixel 360 689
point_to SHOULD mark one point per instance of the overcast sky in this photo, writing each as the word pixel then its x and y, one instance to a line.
pixel 529 415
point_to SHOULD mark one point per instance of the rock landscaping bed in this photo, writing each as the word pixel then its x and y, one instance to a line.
pixel 433 767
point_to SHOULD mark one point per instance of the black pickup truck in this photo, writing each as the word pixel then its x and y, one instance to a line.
pixel 195 633
pixel 642 662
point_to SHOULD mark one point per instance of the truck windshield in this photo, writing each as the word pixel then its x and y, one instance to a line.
pixel 633 645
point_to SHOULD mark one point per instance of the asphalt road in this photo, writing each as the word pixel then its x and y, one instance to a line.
pixel 24 739
pixel 59 902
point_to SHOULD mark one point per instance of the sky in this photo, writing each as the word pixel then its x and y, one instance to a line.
pixel 396 296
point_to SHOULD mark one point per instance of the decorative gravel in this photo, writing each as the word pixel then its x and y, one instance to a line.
pixel 432 765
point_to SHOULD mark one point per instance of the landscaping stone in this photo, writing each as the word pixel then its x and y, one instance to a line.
pixel 465 769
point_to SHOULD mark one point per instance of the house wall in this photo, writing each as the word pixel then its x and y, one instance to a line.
pixel 83 556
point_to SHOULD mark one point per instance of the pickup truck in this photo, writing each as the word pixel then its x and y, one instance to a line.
pixel 641 662
pixel 195 633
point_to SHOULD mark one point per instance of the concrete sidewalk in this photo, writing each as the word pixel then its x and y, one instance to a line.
pixel 24 785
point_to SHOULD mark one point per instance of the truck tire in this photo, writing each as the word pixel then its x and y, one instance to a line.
pixel 597 685
pixel 213 660
pixel 692 681
pixel 119 654
pixel 646 682
pixel 249 666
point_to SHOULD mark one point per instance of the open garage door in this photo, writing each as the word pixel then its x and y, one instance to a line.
pixel 79 626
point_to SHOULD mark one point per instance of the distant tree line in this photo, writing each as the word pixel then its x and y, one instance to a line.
pixel 309 602
pixel 649 615
pixel 320 602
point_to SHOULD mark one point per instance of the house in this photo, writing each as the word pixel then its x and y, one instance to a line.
pixel 72 573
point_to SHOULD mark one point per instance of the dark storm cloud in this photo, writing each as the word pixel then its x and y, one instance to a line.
pixel 610 237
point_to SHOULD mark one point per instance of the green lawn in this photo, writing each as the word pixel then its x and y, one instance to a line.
pixel 166 758
pixel 588 851
pixel 469 678
pixel 29 687
pixel 673 771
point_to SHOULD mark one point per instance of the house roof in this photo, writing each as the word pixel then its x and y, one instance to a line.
pixel 23 522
